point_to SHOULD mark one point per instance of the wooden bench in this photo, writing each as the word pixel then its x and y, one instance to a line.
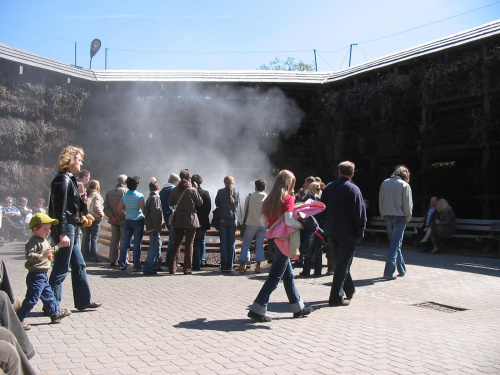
pixel 377 225
pixel 211 245
pixel 484 231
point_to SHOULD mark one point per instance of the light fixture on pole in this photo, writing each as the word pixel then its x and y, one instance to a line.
pixel 350 52
pixel 95 46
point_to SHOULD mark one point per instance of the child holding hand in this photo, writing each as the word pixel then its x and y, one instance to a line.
pixel 38 262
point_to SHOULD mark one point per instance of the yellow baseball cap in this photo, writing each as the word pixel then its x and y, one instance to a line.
pixel 42 219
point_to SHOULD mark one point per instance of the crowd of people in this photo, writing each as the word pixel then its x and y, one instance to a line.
pixel 298 226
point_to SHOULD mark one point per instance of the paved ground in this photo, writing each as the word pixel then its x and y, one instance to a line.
pixel 197 324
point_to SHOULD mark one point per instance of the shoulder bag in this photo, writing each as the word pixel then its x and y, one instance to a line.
pixel 171 218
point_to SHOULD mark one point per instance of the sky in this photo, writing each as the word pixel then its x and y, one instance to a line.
pixel 232 34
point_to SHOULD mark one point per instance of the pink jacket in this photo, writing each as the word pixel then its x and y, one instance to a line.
pixel 282 232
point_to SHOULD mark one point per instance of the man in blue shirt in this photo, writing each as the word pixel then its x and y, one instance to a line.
pixel 344 225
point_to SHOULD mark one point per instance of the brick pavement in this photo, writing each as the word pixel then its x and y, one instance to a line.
pixel 197 324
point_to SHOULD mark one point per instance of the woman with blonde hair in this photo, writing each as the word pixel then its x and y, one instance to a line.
pixel 279 203
pixel 443 227
pixel 227 201
pixel 66 205
pixel 312 192
pixel 95 206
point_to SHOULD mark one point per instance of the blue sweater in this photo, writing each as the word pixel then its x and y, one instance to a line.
pixel 345 213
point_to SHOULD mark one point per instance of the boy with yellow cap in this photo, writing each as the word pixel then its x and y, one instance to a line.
pixel 38 262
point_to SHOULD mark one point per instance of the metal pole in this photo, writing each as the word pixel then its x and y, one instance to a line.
pixel 75 53
pixel 350 52
pixel 105 59
pixel 315 62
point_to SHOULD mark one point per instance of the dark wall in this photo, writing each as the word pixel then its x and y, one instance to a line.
pixel 439 115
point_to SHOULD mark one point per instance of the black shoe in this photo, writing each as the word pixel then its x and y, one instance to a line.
pixel 93 305
pixel 196 269
pixel 150 273
pixel 390 278
pixel 305 311
pixel 113 264
pixel 259 318
pixel 345 302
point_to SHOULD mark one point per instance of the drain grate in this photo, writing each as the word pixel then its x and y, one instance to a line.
pixel 439 307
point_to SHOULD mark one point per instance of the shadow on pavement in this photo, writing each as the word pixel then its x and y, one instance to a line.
pixel 228 325
pixel 454 262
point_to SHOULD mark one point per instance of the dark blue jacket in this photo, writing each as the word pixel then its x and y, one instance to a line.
pixel 165 208
pixel 345 213
pixel 225 209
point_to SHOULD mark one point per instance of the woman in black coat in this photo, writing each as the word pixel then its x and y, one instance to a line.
pixel 66 205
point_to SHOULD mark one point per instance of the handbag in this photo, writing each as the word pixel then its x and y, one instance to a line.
pixel 244 223
pixel 171 218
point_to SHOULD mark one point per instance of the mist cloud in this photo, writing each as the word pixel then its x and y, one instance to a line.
pixel 213 131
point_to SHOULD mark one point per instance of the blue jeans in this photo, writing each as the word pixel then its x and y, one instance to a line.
pixel 227 230
pixel 281 269
pixel 252 232
pixel 152 262
pixel 395 230
pixel 38 288
pixel 89 241
pixel 199 250
pixel 132 228
pixel 342 282
pixel 63 259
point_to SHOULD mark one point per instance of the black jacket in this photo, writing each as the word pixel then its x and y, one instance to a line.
pixel 65 203
pixel 203 212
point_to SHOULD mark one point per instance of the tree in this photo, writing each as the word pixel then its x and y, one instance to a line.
pixel 289 64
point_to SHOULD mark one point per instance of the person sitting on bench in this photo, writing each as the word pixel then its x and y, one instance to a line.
pixel 442 227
